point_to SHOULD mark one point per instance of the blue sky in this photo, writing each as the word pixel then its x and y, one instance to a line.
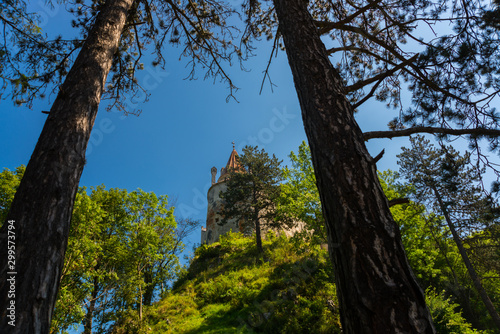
pixel 185 128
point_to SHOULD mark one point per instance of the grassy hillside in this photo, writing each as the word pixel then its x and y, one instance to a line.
pixel 229 288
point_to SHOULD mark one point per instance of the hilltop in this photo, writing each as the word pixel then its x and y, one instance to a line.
pixel 230 288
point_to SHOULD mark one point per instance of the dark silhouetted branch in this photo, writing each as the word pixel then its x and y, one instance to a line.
pixel 432 130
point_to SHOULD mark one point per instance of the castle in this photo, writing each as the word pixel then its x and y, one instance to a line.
pixel 213 230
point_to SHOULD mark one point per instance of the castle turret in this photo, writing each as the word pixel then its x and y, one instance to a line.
pixel 214 174
pixel 213 230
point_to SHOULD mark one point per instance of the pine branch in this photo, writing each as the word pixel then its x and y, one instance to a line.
pixel 381 76
pixel 398 201
pixel 432 130
pixel 325 26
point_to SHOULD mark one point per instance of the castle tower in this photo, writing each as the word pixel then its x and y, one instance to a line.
pixel 213 230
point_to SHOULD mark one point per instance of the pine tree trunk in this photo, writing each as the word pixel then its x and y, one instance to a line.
pixel 258 236
pixel 258 232
pixel 472 272
pixel 377 290
pixel 43 204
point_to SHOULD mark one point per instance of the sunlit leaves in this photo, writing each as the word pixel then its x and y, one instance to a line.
pixel 9 181
pixel 253 191
pixel 299 195
pixel 122 251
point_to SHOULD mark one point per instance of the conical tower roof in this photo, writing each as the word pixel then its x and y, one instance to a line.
pixel 232 164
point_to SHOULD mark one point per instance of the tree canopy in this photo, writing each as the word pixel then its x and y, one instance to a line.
pixel 34 64
pixel 252 192
pixel 299 197
pixel 446 181
pixel 445 53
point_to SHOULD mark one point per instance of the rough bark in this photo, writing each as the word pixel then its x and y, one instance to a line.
pixel 470 268
pixel 377 290
pixel 42 207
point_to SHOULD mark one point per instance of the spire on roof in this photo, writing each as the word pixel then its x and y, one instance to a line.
pixel 232 163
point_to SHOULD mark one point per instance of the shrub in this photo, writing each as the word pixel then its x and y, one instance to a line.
pixel 446 318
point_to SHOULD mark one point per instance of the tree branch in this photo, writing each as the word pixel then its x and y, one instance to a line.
pixel 266 72
pixel 381 76
pixel 432 130
pixel 398 201
pixel 379 156
pixel 325 26
pixel 417 71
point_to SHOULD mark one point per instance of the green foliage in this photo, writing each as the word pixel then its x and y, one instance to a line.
pixel 33 61
pixel 299 196
pixel 447 320
pixel 435 259
pixel 417 230
pixel 9 181
pixel 84 253
pixel 446 182
pixel 444 172
pixel 118 238
pixel 252 192
pixel 122 251
pixel 229 288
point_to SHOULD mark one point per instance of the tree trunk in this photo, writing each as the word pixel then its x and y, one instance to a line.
pixel 258 236
pixel 472 272
pixel 258 232
pixel 140 302
pixel 42 207
pixel 377 290
pixel 87 329
pixel 150 287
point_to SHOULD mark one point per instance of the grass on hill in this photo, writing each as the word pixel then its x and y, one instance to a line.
pixel 230 288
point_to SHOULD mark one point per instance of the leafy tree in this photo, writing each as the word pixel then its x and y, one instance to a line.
pixel 9 182
pixel 299 195
pixel 253 191
pixel 149 259
pixel 99 262
pixel 84 276
pixel 115 33
pixel 443 178
pixel 417 231
pixel 123 252
pixel 445 316
pixel 102 276
pixel 433 257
